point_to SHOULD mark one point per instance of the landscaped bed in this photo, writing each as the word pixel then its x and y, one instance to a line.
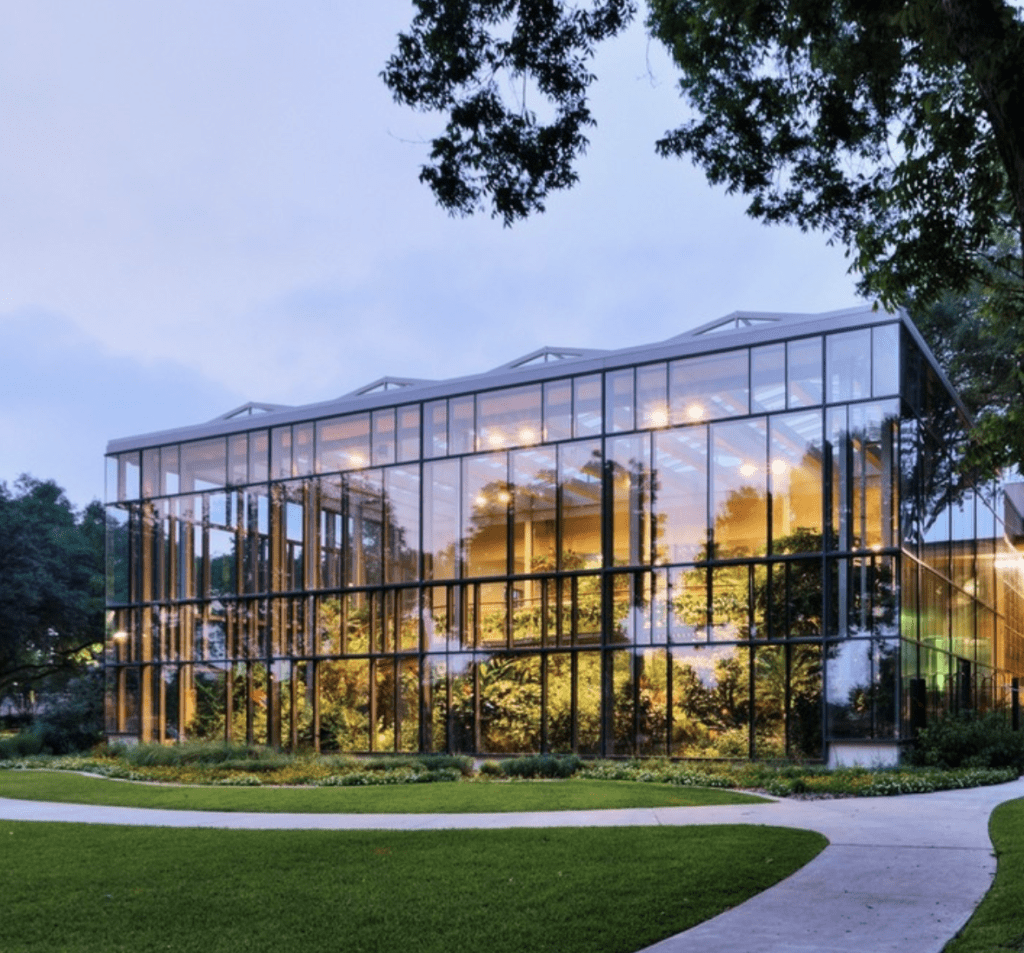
pixel 254 766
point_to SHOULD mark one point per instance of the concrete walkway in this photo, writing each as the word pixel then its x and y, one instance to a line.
pixel 900 874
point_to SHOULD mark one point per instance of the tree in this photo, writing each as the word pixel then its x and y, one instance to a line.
pixel 895 127
pixel 51 585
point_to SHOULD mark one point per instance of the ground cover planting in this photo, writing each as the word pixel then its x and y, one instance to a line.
pixel 78 888
pixel 254 766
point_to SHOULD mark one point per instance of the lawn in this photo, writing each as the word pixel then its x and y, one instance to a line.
pixel 450 798
pixel 77 888
pixel 997 923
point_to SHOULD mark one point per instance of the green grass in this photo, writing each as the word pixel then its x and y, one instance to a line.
pixel 997 923
pixel 451 798
pixel 71 887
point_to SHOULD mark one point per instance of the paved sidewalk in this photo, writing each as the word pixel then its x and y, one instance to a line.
pixel 900 874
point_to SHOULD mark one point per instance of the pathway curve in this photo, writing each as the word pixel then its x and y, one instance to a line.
pixel 900 874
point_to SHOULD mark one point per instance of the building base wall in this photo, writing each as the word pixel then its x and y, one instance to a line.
pixel 861 754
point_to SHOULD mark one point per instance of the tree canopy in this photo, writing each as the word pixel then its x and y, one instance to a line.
pixel 896 127
pixel 51 584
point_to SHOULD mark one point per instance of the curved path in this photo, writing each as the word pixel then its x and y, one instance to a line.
pixel 900 874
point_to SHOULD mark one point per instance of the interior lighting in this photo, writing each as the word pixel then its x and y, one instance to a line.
pixel 527 435
pixel 695 411
pixel 778 467
pixel 748 469
pixel 495 438
pixel 120 636
pixel 357 459
pixel 658 418
pixel 481 500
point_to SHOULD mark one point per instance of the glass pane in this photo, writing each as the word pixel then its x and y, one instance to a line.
pixel 508 418
pixel 170 470
pixel 559 703
pixel 796 482
pixel 280 453
pixel 586 406
pixel 848 365
pixel 485 509
pixel 408 433
pixel 803 365
pixel 441 529
pixel 588 703
pixel 770 701
pixel 768 377
pixel 558 410
pixel 343 443
pixel 579 477
pixel 259 456
pixel 238 459
pixel 710 701
pixel 885 360
pixel 619 398
pixel 365 529
pixel 203 465
pixel 739 488
pixel 383 423
pixel 533 511
pixel 150 472
pixel 345 705
pixel 510 697
pixel 435 428
pixel 681 494
pixel 652 396
pixel 302 449
pixel 708 387
pixel 629 469
pixel 402 527
pixel 408 714
pixel 461 425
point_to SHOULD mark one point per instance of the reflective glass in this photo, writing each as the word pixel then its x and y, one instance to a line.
pixel 435 428
pixel 259 456
pixel 461 425
pixel 486 501
pixel 848 365
pixel 628 463
pixel 680 490
pixel 711 701
pixel 408 433
pixel 302 449
pixel 885 360
pixel 238 459
pixel 344 705
pixel 402 523
pixel 170 469
pixel 365 530
pixel 579 479
pixel 150 472
pixel 280 455
pixel 558 410
pixel 709 386
pixel 796 482
pixel 768 377
pixel 803 372
pixel 588 702
pixel 509 418
pixel 586 406
pixel 619 401
pixel 558 716
pixel 739 488
pixel 441 527
pixel 534 487
pixel 343 443
pixel 383 441
pixel 652 396
pixel 510 704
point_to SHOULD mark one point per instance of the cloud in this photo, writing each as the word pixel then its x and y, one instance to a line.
pixel 64 395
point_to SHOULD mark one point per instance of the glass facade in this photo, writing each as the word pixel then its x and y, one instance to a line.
pixel 751 545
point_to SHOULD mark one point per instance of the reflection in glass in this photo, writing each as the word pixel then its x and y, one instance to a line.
pixel 629 472
pixel 739 488
pixel 441 529
pixel 652 396
pixel 803 366
pixel 768 377
pixel 557 410
pixel 848 365
pixel 619 401
pixel 708 387
pixel 579 477
pixel 485 509
pixel 586 406
pixel 343 443
pixel 680 494
pixel 509 417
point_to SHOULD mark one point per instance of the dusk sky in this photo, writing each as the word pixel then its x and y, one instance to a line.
pixel 207 203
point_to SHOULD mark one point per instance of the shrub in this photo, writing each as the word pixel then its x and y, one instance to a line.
pixel 491 769
pixel 542 766
pixel 73 720
pixel 21 745
pixel 970 740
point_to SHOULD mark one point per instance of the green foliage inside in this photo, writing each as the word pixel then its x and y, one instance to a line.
pixel 971 740
pixel 476 797
pixel 996 924
pixel 92 888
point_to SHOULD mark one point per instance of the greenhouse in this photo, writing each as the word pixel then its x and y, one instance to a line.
pixel 749 540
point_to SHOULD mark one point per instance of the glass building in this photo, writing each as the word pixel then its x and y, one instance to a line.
pixel 749 540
